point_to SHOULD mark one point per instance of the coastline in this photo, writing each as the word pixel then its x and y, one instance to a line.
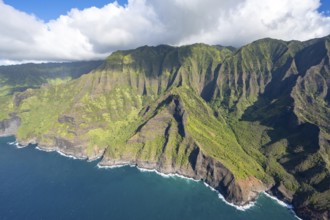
pixel 60 153
pixel 171 175
pixel 243 208
pixel 220 196
pixel 15 143
pixel 284 204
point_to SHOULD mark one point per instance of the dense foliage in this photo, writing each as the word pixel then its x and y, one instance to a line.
pixel 262 110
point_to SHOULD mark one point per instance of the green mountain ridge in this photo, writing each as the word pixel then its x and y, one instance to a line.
pixel 244 121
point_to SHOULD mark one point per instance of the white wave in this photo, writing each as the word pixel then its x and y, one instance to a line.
pixel 15 143
pixel 154 171
pixel 167 175
pixel 43 149
pixel 185 177
pixel 19 145
pixel 94 159
pixel 289 206
pixel 68 155
pixel 59 152
pixel 240 208
pixel 112 166
pixel 278 201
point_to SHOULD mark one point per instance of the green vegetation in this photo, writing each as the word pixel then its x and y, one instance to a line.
pixel 216 138
pixel 19 78
pixel 262 110
pixel 6 106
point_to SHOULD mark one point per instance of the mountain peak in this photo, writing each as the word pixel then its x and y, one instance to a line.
pixel 242 120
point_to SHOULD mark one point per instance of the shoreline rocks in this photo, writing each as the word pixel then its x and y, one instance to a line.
pixel 9 126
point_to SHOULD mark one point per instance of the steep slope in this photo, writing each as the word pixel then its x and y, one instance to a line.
pixel 289 87
pixel 244 121
pixel 103 111
pixel 18 78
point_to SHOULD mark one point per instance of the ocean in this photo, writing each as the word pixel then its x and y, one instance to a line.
pixel 45 185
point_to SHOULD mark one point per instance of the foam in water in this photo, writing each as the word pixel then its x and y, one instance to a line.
pixel 15 143
pixel 281 203
pixel 43 149
pixel 59 152
pixel 67 155
pixel 155 171
pixel 113 166
pixel 94 159
pixel 241 208
pixel 278 201
pixel 166 175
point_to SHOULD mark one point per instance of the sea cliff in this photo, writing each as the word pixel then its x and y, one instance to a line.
pixel 243 120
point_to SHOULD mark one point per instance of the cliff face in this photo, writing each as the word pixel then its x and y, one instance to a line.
pixel 166 143
pixel 9 126
pixel 243 121
pixel 207 169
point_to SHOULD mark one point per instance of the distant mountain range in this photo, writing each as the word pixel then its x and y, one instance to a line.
pixel 243 120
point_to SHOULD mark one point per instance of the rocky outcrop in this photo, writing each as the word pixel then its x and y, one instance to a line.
pixel 222 117
pixel 66 119
pixel 9 126
pixel 168 118
pixel 280 192
pixel 308 212
pixel 71 149
pixel 19 97
pixel 205 168
pixel 65 147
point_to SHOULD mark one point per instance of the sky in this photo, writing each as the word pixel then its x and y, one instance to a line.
pixel 36 31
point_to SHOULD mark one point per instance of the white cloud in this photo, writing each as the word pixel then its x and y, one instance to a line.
pixel 95 32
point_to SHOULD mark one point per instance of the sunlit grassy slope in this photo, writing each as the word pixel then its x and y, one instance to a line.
pixel 261 110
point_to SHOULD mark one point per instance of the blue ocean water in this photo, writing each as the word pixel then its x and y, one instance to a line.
pixel 41 185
